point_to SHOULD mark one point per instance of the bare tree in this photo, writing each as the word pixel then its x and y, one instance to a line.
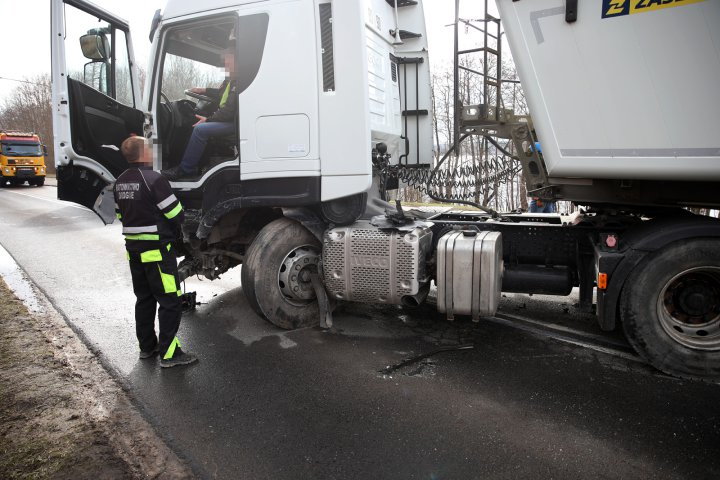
pixel 181 73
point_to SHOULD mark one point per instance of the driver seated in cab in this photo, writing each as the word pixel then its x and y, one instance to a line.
pixel 219 124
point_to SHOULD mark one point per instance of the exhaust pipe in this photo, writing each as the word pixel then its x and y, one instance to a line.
pixel 398 40
pixel 413 301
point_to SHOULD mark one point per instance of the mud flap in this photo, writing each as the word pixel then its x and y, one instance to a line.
pixel 323 302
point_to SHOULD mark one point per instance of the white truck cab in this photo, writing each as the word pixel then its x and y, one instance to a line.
pixel 319 84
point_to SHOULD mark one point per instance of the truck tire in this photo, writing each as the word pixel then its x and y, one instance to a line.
pixel 39 182
pixel 670 309
pixel 275 274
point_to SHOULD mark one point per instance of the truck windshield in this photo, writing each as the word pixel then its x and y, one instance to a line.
pixel 22 149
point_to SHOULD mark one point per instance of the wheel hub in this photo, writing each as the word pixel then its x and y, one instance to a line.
pixel 294 275
pixel 689 308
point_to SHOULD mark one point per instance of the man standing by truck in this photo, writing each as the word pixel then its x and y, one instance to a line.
pixel 151 216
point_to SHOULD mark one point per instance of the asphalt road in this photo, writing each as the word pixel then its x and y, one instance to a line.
pixel 543 394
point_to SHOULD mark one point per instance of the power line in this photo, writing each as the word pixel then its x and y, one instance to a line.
pixel 21 81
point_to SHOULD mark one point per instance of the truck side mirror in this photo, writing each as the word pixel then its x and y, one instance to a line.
pixel 95 47
pixel 44 147
pixel 95 75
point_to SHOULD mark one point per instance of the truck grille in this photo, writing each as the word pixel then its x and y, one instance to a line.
pixel 25 172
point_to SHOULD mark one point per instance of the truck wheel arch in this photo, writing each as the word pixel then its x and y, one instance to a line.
pixel 303 215
pixel 644 240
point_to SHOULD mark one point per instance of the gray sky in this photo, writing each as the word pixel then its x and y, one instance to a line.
pixel 26 50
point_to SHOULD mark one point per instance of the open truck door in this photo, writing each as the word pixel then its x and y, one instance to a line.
pixel 95 92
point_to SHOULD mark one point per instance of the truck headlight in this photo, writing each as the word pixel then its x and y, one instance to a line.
pixel 7 170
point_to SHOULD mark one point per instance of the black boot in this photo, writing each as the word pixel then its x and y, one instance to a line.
pixel 179 358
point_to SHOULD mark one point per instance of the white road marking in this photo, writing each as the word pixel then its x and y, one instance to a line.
pixel 59 202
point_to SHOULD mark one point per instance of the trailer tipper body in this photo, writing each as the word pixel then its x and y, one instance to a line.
pixel 335 107
pixel 625 92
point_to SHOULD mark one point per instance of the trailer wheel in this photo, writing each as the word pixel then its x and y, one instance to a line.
pixel 275 274
pixel 670 309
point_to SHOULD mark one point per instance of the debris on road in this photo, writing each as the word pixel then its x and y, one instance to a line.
pixel 61 414
pixel 392 368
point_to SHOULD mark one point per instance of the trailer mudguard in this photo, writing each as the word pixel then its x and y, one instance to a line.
pixel 636 244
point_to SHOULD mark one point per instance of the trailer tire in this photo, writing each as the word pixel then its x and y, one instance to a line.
pixel 670 309
pixel 264 262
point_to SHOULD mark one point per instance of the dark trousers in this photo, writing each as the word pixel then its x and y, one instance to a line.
pixel 199 139
pixel 156 283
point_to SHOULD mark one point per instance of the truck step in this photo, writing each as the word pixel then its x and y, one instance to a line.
pixel 414 113
pixel 406 60
pixel 405 34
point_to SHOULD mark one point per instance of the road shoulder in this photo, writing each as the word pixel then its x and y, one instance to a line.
pixel 61 414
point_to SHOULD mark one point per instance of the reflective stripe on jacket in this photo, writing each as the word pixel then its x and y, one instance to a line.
pixel 147 208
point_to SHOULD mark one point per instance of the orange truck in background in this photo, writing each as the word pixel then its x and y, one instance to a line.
pixel 22 159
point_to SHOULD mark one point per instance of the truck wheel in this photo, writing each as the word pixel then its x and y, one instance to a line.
pixel 39 182
pixel 275 274
pixel 670 309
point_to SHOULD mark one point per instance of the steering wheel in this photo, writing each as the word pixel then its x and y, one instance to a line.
pixel 203 98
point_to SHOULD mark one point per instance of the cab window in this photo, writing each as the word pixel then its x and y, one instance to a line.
pixel 21 149
pixel 192 58
pixel 123 80
pixel 195 58
pixel 96 54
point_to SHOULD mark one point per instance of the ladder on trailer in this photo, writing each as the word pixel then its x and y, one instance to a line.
pixel 490 118
pixel 487 118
